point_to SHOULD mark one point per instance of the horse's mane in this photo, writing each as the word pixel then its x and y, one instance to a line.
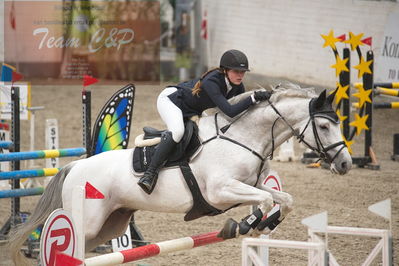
pixel 281 91
pixel 288 89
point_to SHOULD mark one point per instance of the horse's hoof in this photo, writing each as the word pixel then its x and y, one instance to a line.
pixel 270 222
pixel 256 233
pixel 229 230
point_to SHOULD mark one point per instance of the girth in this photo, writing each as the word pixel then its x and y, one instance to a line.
pixel 200 206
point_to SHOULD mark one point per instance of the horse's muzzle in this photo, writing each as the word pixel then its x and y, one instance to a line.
pixel 341 166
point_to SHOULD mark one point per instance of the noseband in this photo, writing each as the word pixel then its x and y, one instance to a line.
pixel 319 149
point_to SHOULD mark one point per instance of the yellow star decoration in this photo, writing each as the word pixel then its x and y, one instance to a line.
pixel 363 95
pixel 341 118
pixel 354 40
pixel 330 40
pixel 363 67
pixel 341 93
pixel 340 65
pixel 348 143
pixel 360 123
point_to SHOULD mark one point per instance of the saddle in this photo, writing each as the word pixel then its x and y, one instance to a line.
pixel 147 143
pixel 186 149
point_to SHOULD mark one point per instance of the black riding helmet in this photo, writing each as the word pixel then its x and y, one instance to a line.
pixel 234 59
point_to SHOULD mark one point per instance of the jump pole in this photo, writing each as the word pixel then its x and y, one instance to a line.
pixel 385 91
pixel 17 193
pixel 250 257
pixel 391 105
pixel 17 156
pixel 382 245
pixel 6 145
pixel 391 85
pixel 15 165
pixel 29 173
pixel 345 80
pixel 80 195
pixel 154 249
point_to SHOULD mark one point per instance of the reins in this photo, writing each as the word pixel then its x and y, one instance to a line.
pixel 218 136
pixel 319 149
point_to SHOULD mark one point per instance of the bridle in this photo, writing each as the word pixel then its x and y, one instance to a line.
pixel 319 149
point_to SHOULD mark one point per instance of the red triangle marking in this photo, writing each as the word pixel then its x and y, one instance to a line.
pixel 368 41
pixel 342 37
pixel 92 192
pixel 88 80
pixel 16 76
pixel 62 259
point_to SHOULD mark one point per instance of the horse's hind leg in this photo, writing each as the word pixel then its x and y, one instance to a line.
pixel 114 226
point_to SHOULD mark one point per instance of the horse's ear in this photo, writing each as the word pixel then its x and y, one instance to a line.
pixel 330 98
pixel 319 102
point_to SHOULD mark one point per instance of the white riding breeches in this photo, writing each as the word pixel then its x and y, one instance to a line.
pixel 171 114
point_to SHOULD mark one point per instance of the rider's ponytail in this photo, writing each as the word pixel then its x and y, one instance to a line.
pixel 197 87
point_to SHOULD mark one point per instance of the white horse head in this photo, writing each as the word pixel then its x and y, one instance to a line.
pixel 299 112
pixel 325 134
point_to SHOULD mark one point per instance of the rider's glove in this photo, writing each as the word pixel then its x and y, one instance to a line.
pixel 260 96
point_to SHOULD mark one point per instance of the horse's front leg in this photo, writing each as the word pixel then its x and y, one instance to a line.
pixel 235 192
pixel 286 205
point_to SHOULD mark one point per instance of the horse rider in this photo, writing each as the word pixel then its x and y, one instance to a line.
pixel 212 89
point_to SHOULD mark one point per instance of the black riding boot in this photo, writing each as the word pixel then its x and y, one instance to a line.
pixel 165 147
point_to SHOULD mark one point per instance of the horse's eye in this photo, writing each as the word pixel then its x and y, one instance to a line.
pixel 324 127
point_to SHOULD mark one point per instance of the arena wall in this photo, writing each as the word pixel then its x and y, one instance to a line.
pixel 1 32
pixel 282 38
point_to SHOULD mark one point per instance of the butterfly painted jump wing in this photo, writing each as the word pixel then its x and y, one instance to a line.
pixel 112 127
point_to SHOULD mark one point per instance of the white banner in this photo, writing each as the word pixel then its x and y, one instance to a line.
pixel 5 99
pixel 387 65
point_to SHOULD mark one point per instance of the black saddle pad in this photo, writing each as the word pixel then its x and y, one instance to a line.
pixel 184 149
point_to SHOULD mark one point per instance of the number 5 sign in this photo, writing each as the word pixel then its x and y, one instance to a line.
pixel 58 236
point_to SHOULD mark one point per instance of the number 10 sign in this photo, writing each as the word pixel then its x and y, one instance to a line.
pixel 123 242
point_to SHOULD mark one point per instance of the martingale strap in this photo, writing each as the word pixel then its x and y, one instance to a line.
pixel 218 136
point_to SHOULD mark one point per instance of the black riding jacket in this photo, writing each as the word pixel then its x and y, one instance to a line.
pixel 213 94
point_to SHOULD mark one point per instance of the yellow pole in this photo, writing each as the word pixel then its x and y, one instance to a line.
pixel 386 91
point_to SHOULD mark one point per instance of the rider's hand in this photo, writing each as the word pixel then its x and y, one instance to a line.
pixel 260 96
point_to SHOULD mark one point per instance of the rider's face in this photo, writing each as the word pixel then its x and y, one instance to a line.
pixel 235 76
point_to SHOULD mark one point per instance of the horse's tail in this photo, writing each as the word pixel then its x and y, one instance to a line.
pixel 49 201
